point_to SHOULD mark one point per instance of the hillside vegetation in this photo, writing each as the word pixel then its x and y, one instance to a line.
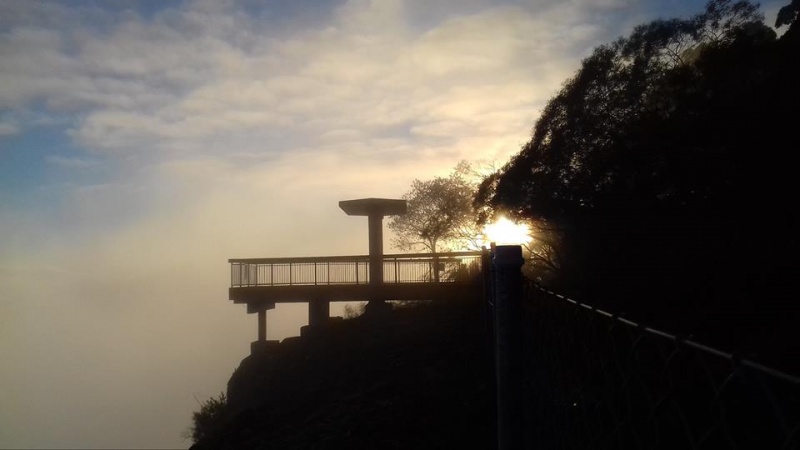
pixel 418 378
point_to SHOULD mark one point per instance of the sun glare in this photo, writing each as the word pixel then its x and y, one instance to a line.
pixel 504 231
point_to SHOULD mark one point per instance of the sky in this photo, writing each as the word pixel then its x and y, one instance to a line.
pixel 143 144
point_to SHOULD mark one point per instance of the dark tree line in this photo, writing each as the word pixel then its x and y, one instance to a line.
pixel 665 166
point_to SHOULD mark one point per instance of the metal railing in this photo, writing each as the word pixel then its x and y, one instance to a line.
pixel 589 379
pixel 612 383
pixel 450 267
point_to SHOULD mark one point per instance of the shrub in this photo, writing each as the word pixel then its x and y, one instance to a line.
pixel 353 311
pixel 211 417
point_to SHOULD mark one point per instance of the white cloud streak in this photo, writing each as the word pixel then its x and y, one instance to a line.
pixel 8 129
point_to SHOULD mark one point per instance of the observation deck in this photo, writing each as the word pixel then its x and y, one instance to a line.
pixel 418 276
pixel 260 283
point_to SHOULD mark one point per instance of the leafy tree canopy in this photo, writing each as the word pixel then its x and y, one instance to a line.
pixel 588 150
pixel 210 419
pixel 788 14
pixel 439 213
pixel 664 165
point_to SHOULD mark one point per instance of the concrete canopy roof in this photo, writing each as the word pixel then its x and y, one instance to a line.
pixel 374 206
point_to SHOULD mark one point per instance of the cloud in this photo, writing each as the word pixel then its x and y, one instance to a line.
pixel 72 162
pixel 8 129
pixel 367 70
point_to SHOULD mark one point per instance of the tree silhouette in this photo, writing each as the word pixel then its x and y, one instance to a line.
pixel 211 418
pixel 439 212
pixel 788 14
pixel 663 166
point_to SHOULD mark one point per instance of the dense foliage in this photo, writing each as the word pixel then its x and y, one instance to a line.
pixel 439 213
pixel 665 168
pixel 417 378
pixel 210 419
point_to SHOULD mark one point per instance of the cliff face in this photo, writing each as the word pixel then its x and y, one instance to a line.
pixel 417 378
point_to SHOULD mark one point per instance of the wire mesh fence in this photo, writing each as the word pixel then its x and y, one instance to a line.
pixel 597 381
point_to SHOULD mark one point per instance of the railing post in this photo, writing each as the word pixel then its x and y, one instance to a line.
pixel 507 286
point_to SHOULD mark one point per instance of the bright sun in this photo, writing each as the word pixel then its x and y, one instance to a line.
pixel 504 231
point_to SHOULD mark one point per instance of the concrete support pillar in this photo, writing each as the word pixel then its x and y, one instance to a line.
pixel 262 325
pixel 375 249
pixel 318 312
pixel 375 209
pixel 260 309
pixel 376 260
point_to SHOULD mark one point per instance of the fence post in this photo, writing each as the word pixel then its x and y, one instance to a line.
pixel 507 286
pixel 487 272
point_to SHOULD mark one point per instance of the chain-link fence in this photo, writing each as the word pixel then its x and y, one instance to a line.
pixel 597 381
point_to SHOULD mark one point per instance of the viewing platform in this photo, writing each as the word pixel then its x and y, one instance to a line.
pixel 261 283
pixel 418 276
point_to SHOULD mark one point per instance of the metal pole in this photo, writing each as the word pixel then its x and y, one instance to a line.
pixel 507 263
